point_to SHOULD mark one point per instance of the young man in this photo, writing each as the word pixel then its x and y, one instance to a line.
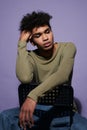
pixel 49 65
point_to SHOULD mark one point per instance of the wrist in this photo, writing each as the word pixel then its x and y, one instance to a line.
pixel 22 44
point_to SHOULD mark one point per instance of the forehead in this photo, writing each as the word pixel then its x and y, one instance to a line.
pixel 40 29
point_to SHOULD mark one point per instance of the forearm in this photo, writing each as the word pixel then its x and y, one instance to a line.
pixel 24 69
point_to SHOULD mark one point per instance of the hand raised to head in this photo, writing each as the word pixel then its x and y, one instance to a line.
pixel 25 36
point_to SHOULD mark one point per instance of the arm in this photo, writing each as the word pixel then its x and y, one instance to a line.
pixel 24 72
pixel 60 76
pixel 24 67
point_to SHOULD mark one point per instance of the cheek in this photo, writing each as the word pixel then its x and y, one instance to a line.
pixel 39 40
pixel 51 37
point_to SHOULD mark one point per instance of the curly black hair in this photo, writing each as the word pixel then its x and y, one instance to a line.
pixel 35 19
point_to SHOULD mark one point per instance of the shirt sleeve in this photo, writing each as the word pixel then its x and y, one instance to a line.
pixel 60 76
pixel 24 66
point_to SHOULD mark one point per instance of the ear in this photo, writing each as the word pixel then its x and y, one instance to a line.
pixel 33 43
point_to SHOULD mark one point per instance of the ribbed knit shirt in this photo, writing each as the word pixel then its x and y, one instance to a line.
pixel 47 72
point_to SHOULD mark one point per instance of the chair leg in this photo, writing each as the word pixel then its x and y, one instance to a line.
pixel 71 117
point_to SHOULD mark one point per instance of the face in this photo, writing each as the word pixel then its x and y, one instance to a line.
pixel 43 37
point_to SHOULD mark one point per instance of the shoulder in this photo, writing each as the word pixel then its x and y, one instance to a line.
pixel 32 54
pixel 68 46
pixel 67 49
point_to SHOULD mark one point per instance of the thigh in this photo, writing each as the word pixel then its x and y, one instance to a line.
pixel 9 119
pixel 60 123
pixel 79 122
pixel 11 112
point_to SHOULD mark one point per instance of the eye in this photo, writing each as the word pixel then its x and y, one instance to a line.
pixel 47 31
pixel 37 35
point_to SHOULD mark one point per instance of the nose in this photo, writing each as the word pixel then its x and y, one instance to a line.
pixel 44 37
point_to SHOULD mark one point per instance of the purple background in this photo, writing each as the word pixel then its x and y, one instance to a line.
pixel 69 24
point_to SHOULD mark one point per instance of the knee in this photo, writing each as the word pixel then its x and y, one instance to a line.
pixel 9 113
pixel 3 115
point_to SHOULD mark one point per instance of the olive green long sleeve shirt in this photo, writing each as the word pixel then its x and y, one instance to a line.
pixel 47 72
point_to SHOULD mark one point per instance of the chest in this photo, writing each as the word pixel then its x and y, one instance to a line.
pixel 47 68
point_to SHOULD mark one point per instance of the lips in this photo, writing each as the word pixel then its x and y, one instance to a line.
pixel 47 44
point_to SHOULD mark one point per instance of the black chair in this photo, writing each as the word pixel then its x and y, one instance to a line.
pixel 61 97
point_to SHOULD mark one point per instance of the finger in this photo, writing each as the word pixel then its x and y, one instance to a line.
pixel 31 118
pixel 29 124
pixel 25 128
pixel 27 118
pixel 24 125
pixel 22 119
pixel 30 36
pixel 24 36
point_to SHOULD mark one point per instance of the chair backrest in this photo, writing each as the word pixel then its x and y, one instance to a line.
pixel 61 97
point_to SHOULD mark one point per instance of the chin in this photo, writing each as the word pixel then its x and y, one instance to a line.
pixel 48 48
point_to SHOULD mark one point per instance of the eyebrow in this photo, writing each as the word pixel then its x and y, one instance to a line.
pixel 40 32
pixel 37 33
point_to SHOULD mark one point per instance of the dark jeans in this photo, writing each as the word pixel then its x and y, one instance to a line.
pixel 48 120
